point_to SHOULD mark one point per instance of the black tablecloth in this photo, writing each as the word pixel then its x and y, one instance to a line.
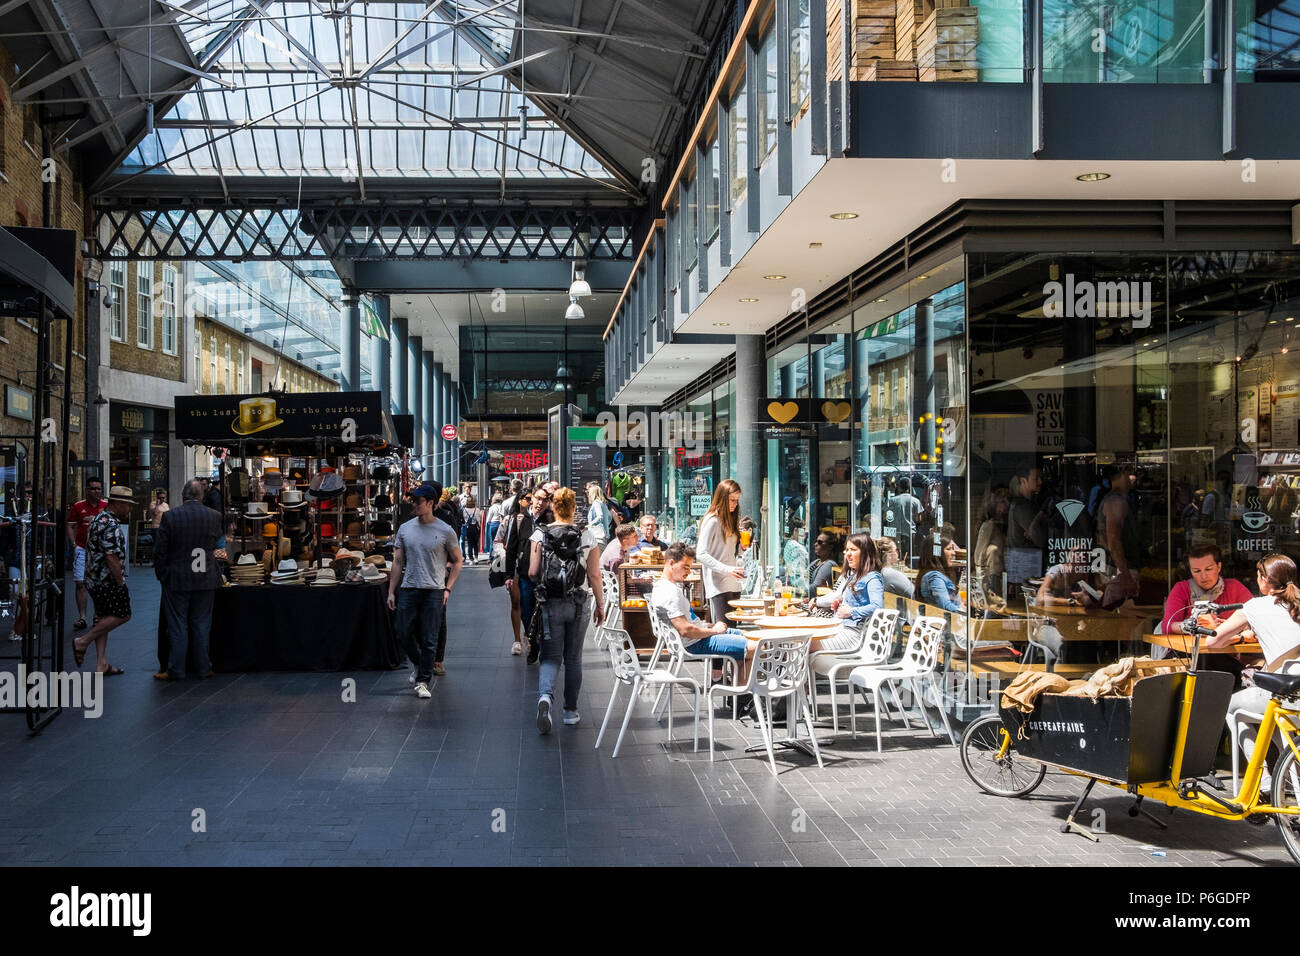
pixel 298 627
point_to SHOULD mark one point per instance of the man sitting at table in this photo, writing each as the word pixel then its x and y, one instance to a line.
pixel 669 600
pixel 649 527
pixel 616 551
pixel 1207 583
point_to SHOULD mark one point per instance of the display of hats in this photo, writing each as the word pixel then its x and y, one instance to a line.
pixel 346 559
pixel 323 578
pixel 258 511
pixel 381 473
pixel 292 498
pixel 383 501
pixel 270 530
pixel 246 571
pixel 287 572
pixel 351 473
pixel 326 485
pixel 352 500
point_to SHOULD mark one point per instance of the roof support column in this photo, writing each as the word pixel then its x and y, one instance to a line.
pixel 400 379
pixel 350 342
pixel 429 393
pixel 381 354
pixel 415 387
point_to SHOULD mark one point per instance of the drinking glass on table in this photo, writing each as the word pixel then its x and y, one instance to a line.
pixel 746 538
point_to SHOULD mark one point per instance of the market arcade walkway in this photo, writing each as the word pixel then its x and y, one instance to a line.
pixel 286 772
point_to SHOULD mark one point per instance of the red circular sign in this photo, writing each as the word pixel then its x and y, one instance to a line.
pixel 450 432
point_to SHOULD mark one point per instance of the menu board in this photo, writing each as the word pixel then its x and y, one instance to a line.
pixel 586 464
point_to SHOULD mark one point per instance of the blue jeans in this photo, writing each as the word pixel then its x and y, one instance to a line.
pixel 492 535
pixel 527 601
pixel 419 618
pixel 189 621
pixel 564 624
pixel 732 643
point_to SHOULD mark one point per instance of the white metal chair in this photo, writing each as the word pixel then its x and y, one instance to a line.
pixel 875 641
pixel 628 671
pixel 1037 628
pixel 777 671
pixel 1242 717
pixel 667 640
pixel 916 669
pixel 612 605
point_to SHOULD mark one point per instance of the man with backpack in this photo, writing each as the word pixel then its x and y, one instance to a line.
pixel 562 560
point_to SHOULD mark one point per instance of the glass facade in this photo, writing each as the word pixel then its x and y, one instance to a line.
pixel 521 371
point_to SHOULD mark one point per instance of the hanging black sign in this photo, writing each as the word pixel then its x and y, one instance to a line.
pixel 229 418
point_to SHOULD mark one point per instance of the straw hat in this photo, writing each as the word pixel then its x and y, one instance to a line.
pixel 378 560
pixel 270 530
pixel 372 575
pixel 121 493
pixel 346 559
pixel 324 577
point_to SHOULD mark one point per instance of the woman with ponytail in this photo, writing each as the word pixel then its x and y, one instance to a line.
pixel 1275 619
pixel 718 549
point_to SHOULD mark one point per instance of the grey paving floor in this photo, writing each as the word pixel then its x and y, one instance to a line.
pixel 284 771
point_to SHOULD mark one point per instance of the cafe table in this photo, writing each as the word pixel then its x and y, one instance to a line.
pixel 795 630
pixel 1183 644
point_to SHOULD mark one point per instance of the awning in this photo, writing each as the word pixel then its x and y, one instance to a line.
pixel 26 272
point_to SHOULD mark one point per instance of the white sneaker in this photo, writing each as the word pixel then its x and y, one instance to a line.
pixel 544 714
pixel 571 717
pixel 422 691
pixel 516 649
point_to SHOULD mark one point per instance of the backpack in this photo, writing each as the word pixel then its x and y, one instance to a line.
pixel 563 573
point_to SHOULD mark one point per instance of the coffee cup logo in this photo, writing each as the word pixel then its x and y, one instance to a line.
pixel 1254 521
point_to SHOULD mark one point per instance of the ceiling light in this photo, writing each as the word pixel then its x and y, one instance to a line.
pixel 1092 177
pixel 924 275
pixel 1285 349
pixel 747 299
pixel 1272 321
pixel 844 215
pixel 882 300
pixel 1290 318
pixel 722 325
pixel 814 245
pixel 579 285
pixel 774 276
pixel 574 311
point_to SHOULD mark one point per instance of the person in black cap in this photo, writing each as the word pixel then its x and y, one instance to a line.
pixel 426 564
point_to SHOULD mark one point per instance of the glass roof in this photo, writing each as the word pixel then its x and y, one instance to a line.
pixel 357 90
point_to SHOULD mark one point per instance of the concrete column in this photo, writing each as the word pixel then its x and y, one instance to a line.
pixel 415 386
pixel 381 357
pixel 750 394
pixel 440 419
pixel 452 417
pixel 400 378
pixel 350 342
pixel 817 374
pixel 429 439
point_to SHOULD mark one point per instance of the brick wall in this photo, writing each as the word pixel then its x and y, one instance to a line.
pixel 21 203
pixel 216 339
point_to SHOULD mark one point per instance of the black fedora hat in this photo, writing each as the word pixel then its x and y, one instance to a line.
pixel 382 527
pixel 383 501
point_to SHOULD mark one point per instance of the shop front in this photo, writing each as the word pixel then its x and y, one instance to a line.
pixel 138 453
pixel 1053 431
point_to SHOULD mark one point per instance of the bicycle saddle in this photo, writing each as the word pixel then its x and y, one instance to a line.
pixel 1279 685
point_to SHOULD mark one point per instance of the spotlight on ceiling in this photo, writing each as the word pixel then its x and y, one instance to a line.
pixel 574 311
pixel 1092 177
pixel 579 286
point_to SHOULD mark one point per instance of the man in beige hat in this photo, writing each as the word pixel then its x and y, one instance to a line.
pixel 106 578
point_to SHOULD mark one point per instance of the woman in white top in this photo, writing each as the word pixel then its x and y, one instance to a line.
pixel 599 518
pixel 1275 619
pixel 718 549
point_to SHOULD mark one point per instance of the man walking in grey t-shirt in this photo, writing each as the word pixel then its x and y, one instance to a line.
pixel 426 564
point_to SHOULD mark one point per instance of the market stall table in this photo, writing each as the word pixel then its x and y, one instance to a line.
pixel 298 627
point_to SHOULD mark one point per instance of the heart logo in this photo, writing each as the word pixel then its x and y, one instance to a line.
pixel 783 411
pixel 836 411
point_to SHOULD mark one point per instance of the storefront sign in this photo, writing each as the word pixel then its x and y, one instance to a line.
pixel 808 411
pixel 700 505
pixel 450 433
pixel 131 420
pixel 683 459
pixel 1254 530
pixel 18 403
pixel 526 460
pixel 74 421
pixel 1050 420
pixel 215 418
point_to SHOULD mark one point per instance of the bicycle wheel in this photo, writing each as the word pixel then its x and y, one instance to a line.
pixel 1286 793
pixel 1004 776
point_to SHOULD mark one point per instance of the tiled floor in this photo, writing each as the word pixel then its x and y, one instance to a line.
pixel 278 768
